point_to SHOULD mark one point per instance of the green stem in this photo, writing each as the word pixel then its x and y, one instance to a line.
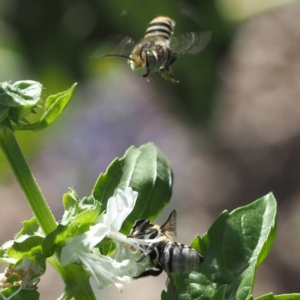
pixel 25 178
pixel 77 284
pixel 56 265
pixel 75 278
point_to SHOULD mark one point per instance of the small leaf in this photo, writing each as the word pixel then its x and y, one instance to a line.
pixel 22 295
pixel 18 100
pixel 82 212
pixel 30 228
pixel 3 112
pixel 27 243
pixel 71 206
pixel 54 106
pixel 220 293
pixel 21 109
pixel 148 172
pixel 196 242
pixel 79 215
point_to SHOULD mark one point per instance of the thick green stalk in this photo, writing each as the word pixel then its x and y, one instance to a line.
pixel 25 178
pixel 76 280
pixel 77 283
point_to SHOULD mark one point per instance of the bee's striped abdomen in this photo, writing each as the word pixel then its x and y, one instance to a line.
pixel 177 258
pixel 160 26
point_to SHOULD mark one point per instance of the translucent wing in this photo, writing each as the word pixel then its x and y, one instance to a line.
pixel 169 227
pixel 190 42
pixel 119 44
pixel 125 44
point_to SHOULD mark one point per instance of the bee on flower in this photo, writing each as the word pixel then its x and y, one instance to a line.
pixel 105 269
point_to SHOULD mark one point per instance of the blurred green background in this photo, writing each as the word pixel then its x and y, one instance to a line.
pixel 230 128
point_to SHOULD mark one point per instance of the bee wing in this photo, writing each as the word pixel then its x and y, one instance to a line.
pixel 190 42
pixel 169 227
pixel 121 46
pixel 125 44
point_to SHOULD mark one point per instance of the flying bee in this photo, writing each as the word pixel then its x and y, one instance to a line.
pixel 157 50
pixel 167 255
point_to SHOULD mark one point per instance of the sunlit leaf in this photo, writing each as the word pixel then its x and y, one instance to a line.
pixel 54 106
pixel 21 93
pixel 22 295
pixel 79 215
pixel 232 248
pixel 148 172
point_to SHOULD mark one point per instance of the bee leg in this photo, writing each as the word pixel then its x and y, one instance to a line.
pixel 172 58
pixel 148 69
pixel 142 49
pixel 146 75
pixel 166 74
pixel 147 252
pixel 151 272
pixel 165 71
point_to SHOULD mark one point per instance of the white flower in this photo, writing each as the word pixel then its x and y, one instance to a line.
pixel 105 269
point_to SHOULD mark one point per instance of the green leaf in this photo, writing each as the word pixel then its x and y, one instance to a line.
pixel 220 294
pixel 26 261
pixel 3 112
pixel 233 248
pixel 30 228
pixel 196 242
pixel 54 106
pixel 57 239
pixel 22 295
pixel 148 172
pixel 4 255
pixel 27 243
pixel 279 297
pixel 79 213
pixel 19 101
pixel 74 207
pixel 77 218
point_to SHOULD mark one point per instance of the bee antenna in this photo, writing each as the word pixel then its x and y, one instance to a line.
pixel 118 55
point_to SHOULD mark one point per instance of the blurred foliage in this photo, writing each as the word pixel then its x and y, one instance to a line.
pixel 57 37
pixel 52 42
pixel 237 10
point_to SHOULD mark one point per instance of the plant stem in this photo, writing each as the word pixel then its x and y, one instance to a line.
pixel 25 178
pixel 77 284
pixel 56 265
pixel 75 278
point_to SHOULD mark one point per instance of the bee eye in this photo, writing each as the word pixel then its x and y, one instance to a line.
pixel 152 233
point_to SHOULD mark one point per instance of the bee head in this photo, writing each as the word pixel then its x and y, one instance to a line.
pixel 137 63
pixel 143 229
pixel 142 62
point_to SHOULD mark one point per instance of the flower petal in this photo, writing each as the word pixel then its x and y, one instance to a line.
pixel 118 208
